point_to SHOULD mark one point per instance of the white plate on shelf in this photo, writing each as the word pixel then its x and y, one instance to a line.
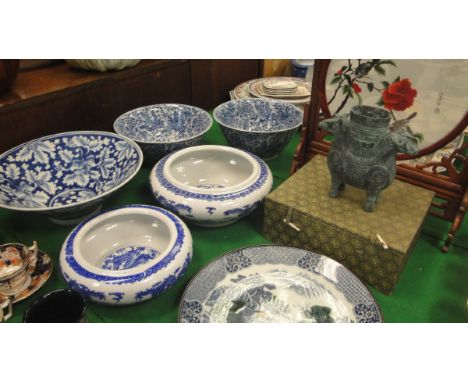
pixel 241 91
pixel 256 85
pixel 280 84
pixel 300 92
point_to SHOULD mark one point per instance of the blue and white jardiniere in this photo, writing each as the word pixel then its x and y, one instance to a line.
pixel 260 126
pixel 164 128
pixel 126 255
pixel 67 175
pixel 211 185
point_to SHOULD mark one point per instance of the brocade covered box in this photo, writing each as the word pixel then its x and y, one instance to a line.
pixel 375 246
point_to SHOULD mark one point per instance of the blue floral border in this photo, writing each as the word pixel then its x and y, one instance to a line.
pixel 130 279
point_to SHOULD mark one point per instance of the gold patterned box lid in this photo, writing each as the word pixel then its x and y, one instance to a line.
pixel 396 219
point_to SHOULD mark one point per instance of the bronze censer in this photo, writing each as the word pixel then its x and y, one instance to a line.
pixel 363 151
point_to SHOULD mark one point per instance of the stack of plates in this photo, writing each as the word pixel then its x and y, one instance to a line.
pixel 288 89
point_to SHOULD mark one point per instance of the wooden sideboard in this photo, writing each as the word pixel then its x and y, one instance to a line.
pixel 59 98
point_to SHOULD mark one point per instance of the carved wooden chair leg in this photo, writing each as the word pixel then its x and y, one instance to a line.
pixel 456 222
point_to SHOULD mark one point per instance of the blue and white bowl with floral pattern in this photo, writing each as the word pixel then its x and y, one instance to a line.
pixel 210 185
pixel 164 128
pixel 126 255
pixel 67 175
pixel 258 125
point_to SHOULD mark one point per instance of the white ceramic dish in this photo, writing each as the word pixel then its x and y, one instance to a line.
pixel 280 84
pixel 241 91
pixel 126 255
pixel 256 86
pixel 301 92
pixel 211 185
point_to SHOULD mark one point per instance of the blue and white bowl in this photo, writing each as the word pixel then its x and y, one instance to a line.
pixel 67 175
pixel 260 126
pixel 126 255
pixel 164 128
pixel 211 185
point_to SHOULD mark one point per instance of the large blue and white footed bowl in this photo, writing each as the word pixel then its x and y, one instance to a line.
pixel 126 255
pixel 260 126
pixel 67 175
pixel 164 128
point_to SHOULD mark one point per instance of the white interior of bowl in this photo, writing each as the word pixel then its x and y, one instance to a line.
pixel 115 230
pixel 211 169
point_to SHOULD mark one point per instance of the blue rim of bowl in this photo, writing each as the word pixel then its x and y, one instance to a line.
pixel 263 100
pixel 158 173
pixel 82 202
pixel 116 128
pixel 67 247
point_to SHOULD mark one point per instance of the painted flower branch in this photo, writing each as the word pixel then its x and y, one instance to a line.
pixel 398 95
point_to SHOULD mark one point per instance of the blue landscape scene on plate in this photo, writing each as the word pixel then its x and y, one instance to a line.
pixel 164 128
pixel 231 289
pixel 260 126
pixel 66 169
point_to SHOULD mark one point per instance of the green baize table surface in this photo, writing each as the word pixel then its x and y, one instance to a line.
pixel 432 288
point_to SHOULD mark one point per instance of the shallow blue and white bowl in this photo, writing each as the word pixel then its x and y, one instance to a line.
pixel 67 175
pixel 258 125
pixel 164 128
pixel 126 255
pixel 211 185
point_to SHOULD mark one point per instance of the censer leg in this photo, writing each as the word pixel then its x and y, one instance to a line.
pixel 336 186
pixel 372 196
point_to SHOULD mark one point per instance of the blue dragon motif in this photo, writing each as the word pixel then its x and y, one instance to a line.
pixel 161 286
pixel 244 210
pixel 211 210
pixel 83 289
pixel 179 207
pixel 129 257
pixel 117 296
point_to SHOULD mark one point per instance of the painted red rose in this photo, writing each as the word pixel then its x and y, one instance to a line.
pixel 399 95
pixel 357 88
pixel 339 73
